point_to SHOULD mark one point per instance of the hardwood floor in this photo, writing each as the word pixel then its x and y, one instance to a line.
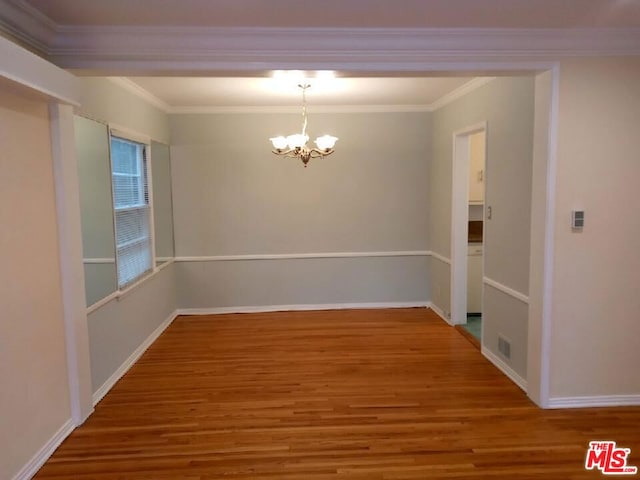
pixel 469 336
pixel 359 394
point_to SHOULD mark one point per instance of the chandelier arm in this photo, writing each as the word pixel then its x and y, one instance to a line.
pixel 291 153
pixel 316 152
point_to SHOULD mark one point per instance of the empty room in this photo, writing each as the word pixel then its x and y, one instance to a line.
pixel 305 240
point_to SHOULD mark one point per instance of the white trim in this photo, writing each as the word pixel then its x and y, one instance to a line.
pixel 232 109
pixel 67 194
pixel 291 256
pixel 504 289
pixel 39 459
pixel 448 98
pixel 146 95
pixel 126 133
pixel 103 301
pixel 504 368
pixel 131 360
pixel 118 294
pixel 440 313
pixel 205 49
pixel 29 70
pixel 442 258
pixel 594 401
pixel 27 24
pixel 97 261
pixel 151 204
pixel 140 92
pixel 461 91
pixel 470 129
pixel 166 262
pixel 549 241
pixel 139 282
pixel 300 307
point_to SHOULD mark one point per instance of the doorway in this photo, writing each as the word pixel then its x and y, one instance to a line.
pixel 477 163
pixel 467 250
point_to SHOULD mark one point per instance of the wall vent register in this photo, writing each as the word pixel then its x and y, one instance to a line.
pixel 504 347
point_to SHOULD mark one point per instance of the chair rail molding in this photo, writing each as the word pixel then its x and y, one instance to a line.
pixel 301 256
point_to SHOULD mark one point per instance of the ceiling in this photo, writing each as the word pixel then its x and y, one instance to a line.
pixel 345 13
pixel 185 92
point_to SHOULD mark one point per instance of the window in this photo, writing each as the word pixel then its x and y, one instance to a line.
pixel 129 170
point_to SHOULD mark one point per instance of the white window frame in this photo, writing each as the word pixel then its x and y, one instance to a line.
pixel 144 163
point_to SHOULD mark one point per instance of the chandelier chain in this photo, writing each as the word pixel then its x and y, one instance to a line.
pixel 304 107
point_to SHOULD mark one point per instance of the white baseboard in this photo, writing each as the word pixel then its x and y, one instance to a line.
pixel 128 363
pixel 440 313
pixel 36 462
pixel 595 401
pixel 506 369
pixel 300 307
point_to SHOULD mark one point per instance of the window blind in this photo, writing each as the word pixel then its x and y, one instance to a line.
pixel 129 169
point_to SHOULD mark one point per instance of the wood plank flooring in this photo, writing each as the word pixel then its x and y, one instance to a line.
pixel 356 394
pixel 469 336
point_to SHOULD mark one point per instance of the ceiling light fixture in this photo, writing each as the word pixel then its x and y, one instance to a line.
pixel 295 146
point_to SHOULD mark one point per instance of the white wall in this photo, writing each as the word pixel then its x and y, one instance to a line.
pixel 105 100
pixel 596 283
pixel 318 281
pixel 232 196
pixel 94 176
pixel 506 104
pixel 162 200
pixel 94 183
pixel 117 329
pixel 100 280
pixel 34 398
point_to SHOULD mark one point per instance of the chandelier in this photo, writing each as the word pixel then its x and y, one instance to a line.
pixel 295 146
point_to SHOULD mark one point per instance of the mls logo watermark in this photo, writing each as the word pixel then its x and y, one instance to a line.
pixel 609 459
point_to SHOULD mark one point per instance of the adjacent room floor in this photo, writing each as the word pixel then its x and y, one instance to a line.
pixel 352 394
pixel 474 325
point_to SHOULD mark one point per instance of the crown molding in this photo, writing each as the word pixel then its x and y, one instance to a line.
pixel 461 91
pixel 144 94
pixel 201 50
pixel 140 92
pixel 231 109
pixel 27 25
pixel 128 49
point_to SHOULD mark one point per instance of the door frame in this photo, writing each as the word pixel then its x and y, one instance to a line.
pixel 460 217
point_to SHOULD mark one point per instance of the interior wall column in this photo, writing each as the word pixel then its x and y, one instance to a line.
pixel 72 271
